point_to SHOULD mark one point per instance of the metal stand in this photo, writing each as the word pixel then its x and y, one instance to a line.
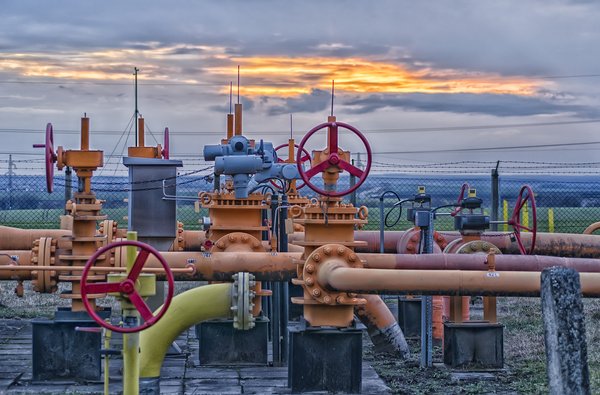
pixel 325 359
pixel 221 344
pixel 475 344
pixel 61 352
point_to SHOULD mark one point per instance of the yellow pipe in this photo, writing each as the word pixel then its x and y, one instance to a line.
pixel 505 214
pixel 550 220
pixel 131 341
pixel 186 309
pixel 525 218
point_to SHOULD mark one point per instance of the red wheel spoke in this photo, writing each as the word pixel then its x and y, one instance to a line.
pixel 102 288
pixel 333 139
pixel 141 306
pixel 310 173
pixel 304 158
pixel 138 265
pixel 355 171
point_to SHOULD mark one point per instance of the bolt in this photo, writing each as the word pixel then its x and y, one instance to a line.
pixel 232 238
pixel 327 250
pixel 327 299
pixel 414 237
pixel 256 244
pixel 340 299
pixel 486 247
pixel 221 245
pixel 352 257
pixel 310 268
pixel 245 238
pixel 316 293
pixel 352 294
pixel 316 257
pixel 410 247
pixel 340 251
pixel 309 281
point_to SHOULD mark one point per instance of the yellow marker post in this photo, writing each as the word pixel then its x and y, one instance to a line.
pixel 131 341
pixel 525 218
pixel 551 220
pixel 505 214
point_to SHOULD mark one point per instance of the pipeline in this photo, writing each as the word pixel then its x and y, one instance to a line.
pixel 335 275
pixel 529 263
pixel 22 239
pixel 384 331
pixel 187 309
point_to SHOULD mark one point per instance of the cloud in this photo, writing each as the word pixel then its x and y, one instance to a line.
pixel 315 101
pixel 465 103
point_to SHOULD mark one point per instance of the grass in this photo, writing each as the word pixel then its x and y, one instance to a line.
pixel 524 357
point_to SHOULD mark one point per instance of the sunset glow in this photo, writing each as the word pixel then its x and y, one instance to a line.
pixel 264 76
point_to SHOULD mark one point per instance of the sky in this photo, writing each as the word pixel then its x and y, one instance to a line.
pixel 426 82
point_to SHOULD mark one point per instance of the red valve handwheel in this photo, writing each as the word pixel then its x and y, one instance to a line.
pixel 165 150
pixel 334 160
pixel 461 196
pixel 305 158
pixel 525 195
pixel 50 157
pixel 127 287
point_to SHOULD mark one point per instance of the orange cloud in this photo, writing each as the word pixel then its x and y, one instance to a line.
pixel 364 76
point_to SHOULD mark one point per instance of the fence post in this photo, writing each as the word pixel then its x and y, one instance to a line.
pixel 495 196
pixel 525 218
pixel 550 220
pixel 564 332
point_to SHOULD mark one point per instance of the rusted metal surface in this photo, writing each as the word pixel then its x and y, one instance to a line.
pixel 22 239
pixel 592 228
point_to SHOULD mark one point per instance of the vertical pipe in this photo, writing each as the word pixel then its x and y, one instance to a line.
pixel 131 341
pixel 505 214
pixel 217 182
pixel 551 220
pixel 229 126
pixel 68 183
pixel 427 302
pixel 276 297
pixel 381 226
pixel 85 133
pixel 352 183
pixel 141 141
pixel 238 119
pixel 495 197
pixel 284 297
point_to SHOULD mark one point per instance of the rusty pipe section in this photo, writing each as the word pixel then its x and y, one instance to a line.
pixel 22 239
pixel 384 331
pixel 335 275
pixel 529 263
pixel 14 259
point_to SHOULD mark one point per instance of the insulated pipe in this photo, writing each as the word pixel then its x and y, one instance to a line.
pixel 529 263
pixel 336 276
pixel 186 309
pixel 22 239
pixel 384 331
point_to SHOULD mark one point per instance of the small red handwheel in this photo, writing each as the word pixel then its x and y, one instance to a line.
pixel 461 196
pixel 334 159
pixel 50 157
pixel 305 158
pixel 525 195
pixel 127 287
pixel 165 150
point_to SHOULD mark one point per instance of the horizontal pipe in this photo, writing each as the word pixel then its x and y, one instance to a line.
pixel 22 239
pixel 529 263
pixel 334 275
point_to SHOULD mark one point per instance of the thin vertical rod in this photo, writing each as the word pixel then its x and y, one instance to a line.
pixel 332 94
pixel 238 90
pixel 291 128
pixel 230 95
pixel 135 73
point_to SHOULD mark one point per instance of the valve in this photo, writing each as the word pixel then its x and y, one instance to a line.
pixel 126 287
pixel 333 160
pixel 165 148
pixel 50 157
pixel 525 195
pixel 304 159
pixel 470 221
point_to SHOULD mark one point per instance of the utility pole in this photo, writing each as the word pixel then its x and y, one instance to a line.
pixel 10 173
pixel 135 73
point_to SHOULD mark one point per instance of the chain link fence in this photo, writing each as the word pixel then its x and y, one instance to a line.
pixel 567 196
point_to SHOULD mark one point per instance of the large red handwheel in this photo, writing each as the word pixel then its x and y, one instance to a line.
pixel 165 149
pixel 127 287
pixel 525 195
pixel 334 159
pixel 50 157
pixel 305 158
pixel 461 196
